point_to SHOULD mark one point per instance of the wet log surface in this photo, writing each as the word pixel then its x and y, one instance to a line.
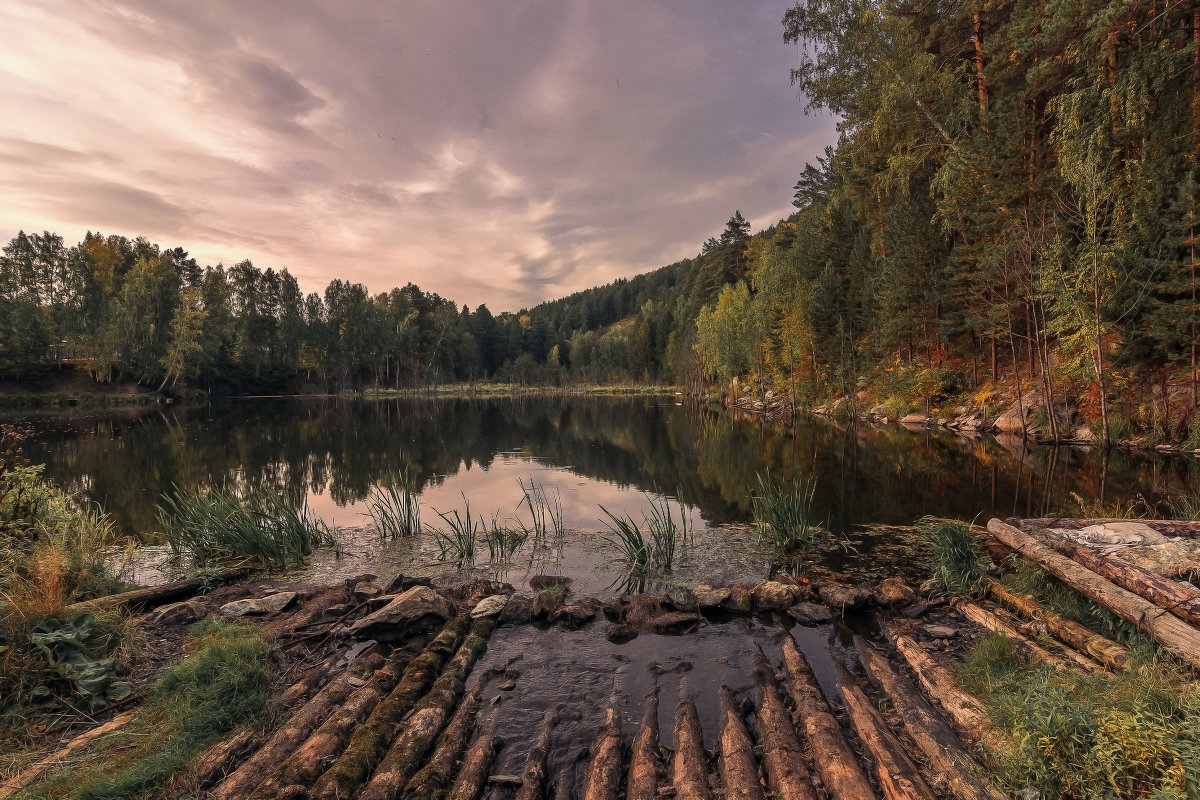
pixel 739 769
pixel 1187 530
pixel 898 776
pixel 644 760
pixel 689 768
pixel 783 756
pixel 604 771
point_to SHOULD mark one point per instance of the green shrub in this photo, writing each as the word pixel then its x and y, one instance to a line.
pixel 959 564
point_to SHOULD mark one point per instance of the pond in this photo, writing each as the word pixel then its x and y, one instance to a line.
pixel 587 452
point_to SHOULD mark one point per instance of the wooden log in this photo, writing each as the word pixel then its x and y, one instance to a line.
pixel 942 749
pixel 476 763
pixel 1101 648
pixel 1178 637
pixel 739 772
pixel 308 761
pixel 1167 527
pixel 604 772
pixel 421 727
pixel 81 742
pixel 533 779
pixel 966 711
pixel 782 754
pixel 995 621
pixel 833 759
pixel 1181 599
pixel 689 771
pixel 153 596
pixel 644 762
pixel 898 776
pixel 295 729
pixel 433 778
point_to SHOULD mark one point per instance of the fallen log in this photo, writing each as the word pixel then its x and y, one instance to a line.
pixel 644 759
pixel 308 761
pixel 533 779
pixel 295 729
pixel 1181 599
pixel 425 722
pixel 993 621
pixel 739 772
pixel 966 711
pixel 604 772
pixel 154 596
pixel 942 749
pixel 1178 637
pixel 432 779
pixel 1101 648
pixel 689 771
pixel 84 740
pixel 898 776
pixel 782 755
pixel 1167 527
pixel 476 763
pixel 833 760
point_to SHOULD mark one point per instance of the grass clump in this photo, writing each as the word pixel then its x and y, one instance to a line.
pixel 394 508
pixel 546 514
pixel 224 683
pixel 783 513
pixel 1069 735
pixel 958 563
pixel 228 524
pixel 654 548
pixel 460 541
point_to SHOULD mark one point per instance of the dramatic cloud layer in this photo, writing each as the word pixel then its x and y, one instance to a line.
pixel 492 152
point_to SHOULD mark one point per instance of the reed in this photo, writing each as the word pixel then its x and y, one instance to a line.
pixel 394 508
pixel 503 542
pixel 783 513
pixel 458 544
pixel 546 514
pixel 655 548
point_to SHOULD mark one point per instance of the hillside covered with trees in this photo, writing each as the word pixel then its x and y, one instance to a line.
pixel 1012 201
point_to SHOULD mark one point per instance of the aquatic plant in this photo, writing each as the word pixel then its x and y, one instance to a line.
pixel 503 542
pixel 546 514
pixel 458 544
pixel 228 524
pixel 655 548
pixel 783 513
pixel 394 508
pixel 1073 735
pixel 958 564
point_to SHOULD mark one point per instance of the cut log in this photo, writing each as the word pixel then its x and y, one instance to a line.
pixel 308 761
pixel 995 621
pixel 689 770
pixel 898 776
pixel 433 778
pixel 533 779
pixel 739 772
pixel 81 742
pixel 644 762
pixel 966 711
pixel 833 760
pixel 782 755
pixel 476 763
pixel 420 728
pixel 604 772
pixel 1181 599
pixel 1178 637
pixel 1103 649
pixel 154 596
pixel 942 749
pixel 1167 527
pixel 295 730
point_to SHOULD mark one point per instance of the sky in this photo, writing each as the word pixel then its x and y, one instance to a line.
pixel 493 152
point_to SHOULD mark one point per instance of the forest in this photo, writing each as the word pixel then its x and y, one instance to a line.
pixel 1011 202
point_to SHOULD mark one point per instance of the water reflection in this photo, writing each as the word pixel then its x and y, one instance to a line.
pixel 592 450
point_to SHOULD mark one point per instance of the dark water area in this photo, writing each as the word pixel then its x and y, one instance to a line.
pixel 592 450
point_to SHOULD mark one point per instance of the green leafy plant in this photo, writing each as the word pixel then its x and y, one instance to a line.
pixel 783 513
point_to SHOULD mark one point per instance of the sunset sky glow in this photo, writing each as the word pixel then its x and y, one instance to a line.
pixel 499 153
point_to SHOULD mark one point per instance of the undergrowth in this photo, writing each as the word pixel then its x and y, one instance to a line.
pixel 1096 736
pixel 959 564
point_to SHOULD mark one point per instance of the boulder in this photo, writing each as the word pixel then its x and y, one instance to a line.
pixel 680 599
pixel 1083 434
pixel 774 596
pixel 810 613
pixel 1012 420
pixel 270 604
pixel 576 615
pixel 740 599
pixel 366 590
pixel 676 622
pixel 893 593
pixel 618 633
pixel 878 411
pixel 547 600
pixel 539 582
pixel 941 631
pixel 915 418
pixel 490 606
pixel 184 613
pixel 415 609
pixel 518 610
pixel 842 598
pixel 709 597
pixel 638 610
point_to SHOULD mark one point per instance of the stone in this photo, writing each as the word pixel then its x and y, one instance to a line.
pixel 539 582
pixel 774 596
pixel 576 615
pixel 878 411
pixel 184 613
pixel 842 598
pixel 1083 435
pixel 414 609
pixel 518 610
pixel 740 599
pixel 366 590
pixel 270 604
pixel 915 418
pixel 920 609
pixel 810 613
pixel 941 631
pixel 1012 421
pixel 489 606
pixel 893 593
pixel 400 583
pixel 674 623
pixel 620 633
pixel 638 609
pixel 680 599
pixel 547 600
pixel 708 597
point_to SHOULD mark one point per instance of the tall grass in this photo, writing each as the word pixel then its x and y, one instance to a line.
pixel 394 508
pixel 546 514
pixel 783 513
pixel 958 564
pixel 459 543
pixel 503 542
pixel 226 524
pixel 652 549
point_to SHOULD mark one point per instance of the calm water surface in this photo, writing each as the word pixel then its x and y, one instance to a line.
pixel 591 452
